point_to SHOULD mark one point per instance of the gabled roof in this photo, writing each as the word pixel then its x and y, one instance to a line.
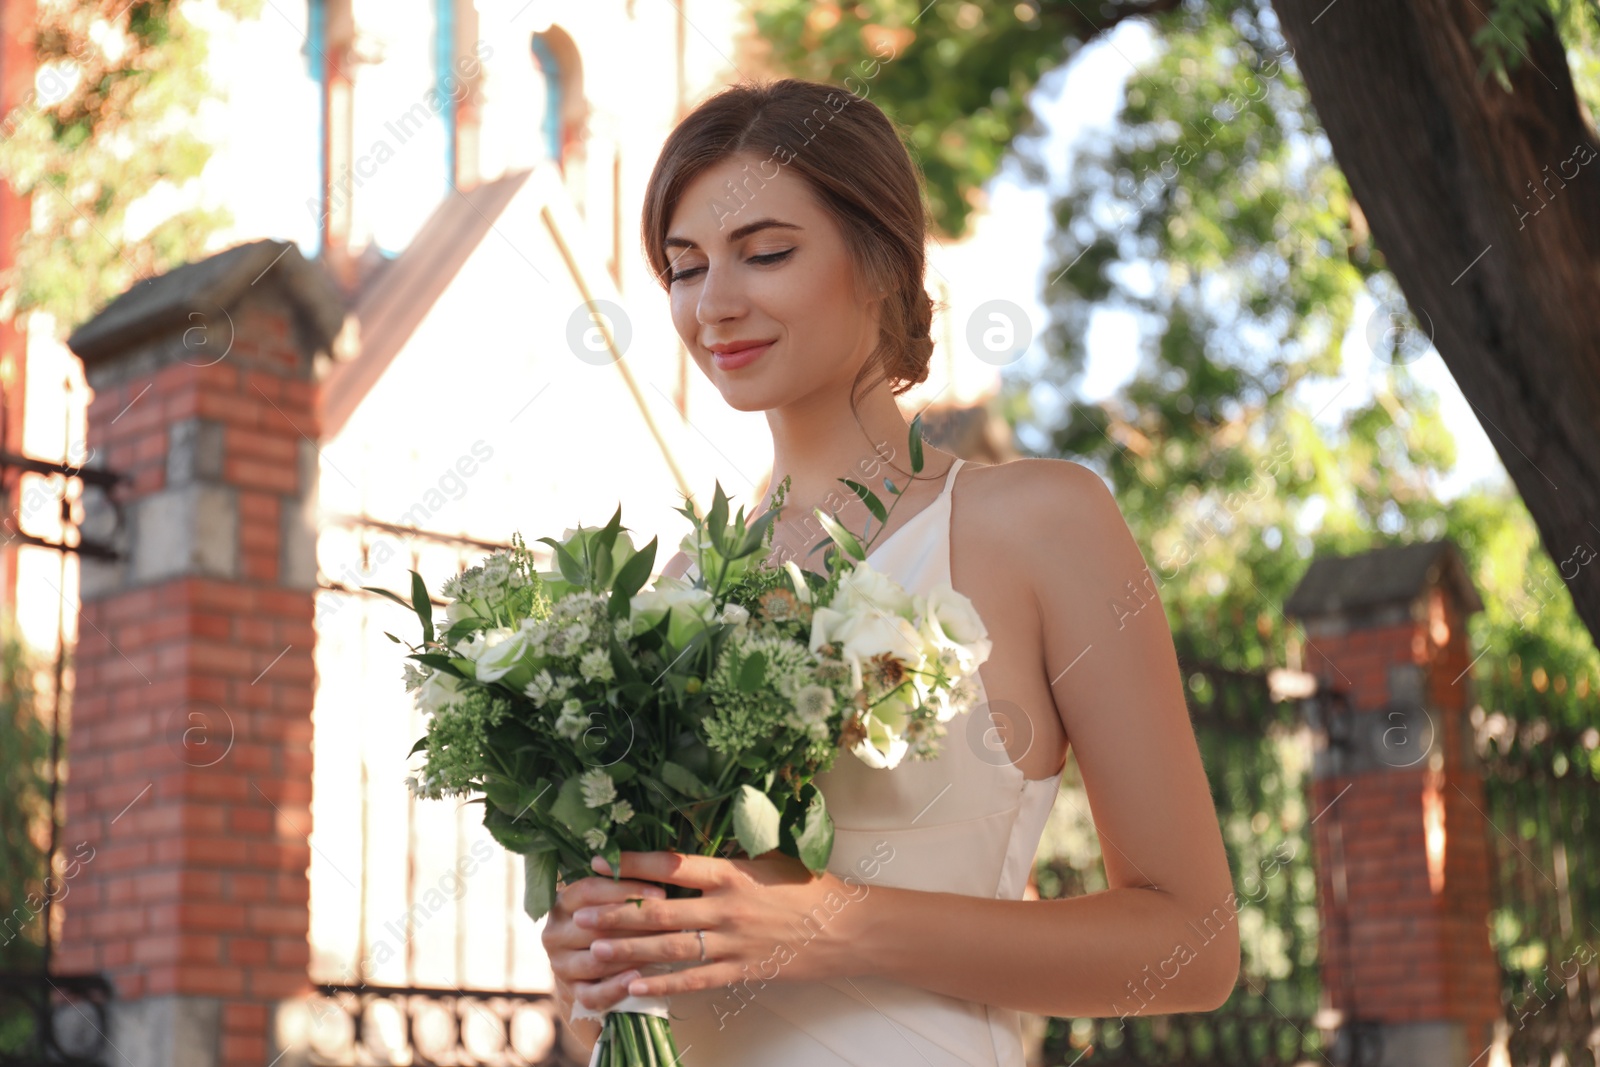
pixel 389 309
pixel 1395 574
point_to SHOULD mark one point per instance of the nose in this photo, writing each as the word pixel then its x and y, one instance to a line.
pixel 720 297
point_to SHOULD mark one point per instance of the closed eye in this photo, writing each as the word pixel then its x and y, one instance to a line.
pixel 769 258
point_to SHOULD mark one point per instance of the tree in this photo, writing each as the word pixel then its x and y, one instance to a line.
pixel 1220 183
pixel 108 121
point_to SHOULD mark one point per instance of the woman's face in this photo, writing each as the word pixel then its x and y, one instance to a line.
pixel 760 262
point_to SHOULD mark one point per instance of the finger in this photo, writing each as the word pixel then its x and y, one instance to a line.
pixel 603 994
pixel 582 965
pixel 597 890
pixel 623 952
pixel 674 868
pixel 688 980
pixel 649 916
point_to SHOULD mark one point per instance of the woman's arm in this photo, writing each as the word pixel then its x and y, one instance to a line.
pixel 1162 939
pixel 1164 934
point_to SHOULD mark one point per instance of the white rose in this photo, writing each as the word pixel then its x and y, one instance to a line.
pixel 861 587
pixel 865 634
pixel 690 608
pixel 497 653
pixel 734 613
pixel 952 625
pixel 439 691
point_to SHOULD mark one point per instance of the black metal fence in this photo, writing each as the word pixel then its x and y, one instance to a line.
pixel 1542 785
pixel 1257 757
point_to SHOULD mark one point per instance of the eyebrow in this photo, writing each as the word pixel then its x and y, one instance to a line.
pixel 739 234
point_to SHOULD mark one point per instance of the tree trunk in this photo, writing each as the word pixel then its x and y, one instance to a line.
pixel 1486 206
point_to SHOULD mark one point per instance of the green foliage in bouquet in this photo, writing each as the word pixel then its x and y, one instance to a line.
pixel 591 716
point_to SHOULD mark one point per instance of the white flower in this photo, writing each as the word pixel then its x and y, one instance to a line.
pixel 865 634
pixel 690 608
pixel 734 613
pixel 885 744
pixel 598 788
pixel 439 691
pixel 621 811
pixel 595 665
pixel 414 676
pixel 496 653
pixel 861 587
pixel 812 705
pixel 952 624
pixel 572 721
pixel 595 838
pixel 541 689
pixel 802 591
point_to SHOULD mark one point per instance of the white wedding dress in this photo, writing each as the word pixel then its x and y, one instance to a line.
pixel 965 822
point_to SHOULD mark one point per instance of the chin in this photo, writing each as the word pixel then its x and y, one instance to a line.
pixel 744 398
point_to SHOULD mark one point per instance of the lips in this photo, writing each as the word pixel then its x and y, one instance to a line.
pixel 744 356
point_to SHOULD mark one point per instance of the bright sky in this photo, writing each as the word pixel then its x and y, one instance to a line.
pixel 1087 95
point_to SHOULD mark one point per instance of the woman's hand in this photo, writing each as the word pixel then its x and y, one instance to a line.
pixel 760 917
pixel 579 974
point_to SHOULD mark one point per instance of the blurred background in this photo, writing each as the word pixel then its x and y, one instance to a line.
pixel 297 296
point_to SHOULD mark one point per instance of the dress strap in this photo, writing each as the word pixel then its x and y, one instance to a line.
pixel 950 480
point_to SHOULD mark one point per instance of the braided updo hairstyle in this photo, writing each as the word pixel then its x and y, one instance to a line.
pixel 852 157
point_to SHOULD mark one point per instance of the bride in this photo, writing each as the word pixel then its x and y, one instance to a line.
pixel 786 222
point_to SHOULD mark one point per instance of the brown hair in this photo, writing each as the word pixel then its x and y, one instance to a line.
pixel 853 159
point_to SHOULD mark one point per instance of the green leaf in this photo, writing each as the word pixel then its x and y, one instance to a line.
pixel 621 661
pixel 422 605
pixel 515 835
pixel 393 638
pixel 755 821
pixel 752 672
pixel 915 444
pixel 869 498
pixel 717 521
pixel 571 569
pixel 539 883
pixel 570 810
pixel 632 578
pixel 396 597
pixel 842 537
pixel 684 780
pixel 815 839
pixel 422 742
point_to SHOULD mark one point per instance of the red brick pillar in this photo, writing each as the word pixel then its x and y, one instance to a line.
pixel 188 802
pixel 1402 844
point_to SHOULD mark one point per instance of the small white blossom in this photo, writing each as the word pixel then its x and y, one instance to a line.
pixel 542 689
pixel 598 788
pixel 414 676
pixel 621 811
pixel 595 665
pixel 572 721
pixel 595 838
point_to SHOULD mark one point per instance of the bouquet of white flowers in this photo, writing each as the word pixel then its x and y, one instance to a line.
pixel 591 715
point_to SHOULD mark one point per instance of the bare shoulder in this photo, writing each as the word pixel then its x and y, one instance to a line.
pixel 1035 497
pixel 1054 522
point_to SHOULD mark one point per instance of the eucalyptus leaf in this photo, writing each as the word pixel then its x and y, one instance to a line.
pixel 755 821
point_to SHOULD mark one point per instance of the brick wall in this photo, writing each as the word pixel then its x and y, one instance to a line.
pixel 1401 840
pixel 190 746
